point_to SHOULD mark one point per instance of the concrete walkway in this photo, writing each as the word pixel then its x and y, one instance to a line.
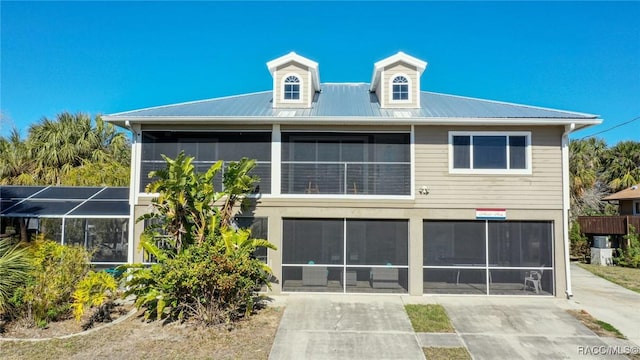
pixel 377 327
pixel 607 301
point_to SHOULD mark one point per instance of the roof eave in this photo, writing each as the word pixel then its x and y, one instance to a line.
pixel 580 123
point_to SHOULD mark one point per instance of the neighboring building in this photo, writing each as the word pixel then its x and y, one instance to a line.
pixel 615 226
pixel 380 187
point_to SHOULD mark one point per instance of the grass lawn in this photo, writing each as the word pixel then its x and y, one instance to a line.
pixel 429 318
pixel 626 277
pixel 442 353
pixel 136 339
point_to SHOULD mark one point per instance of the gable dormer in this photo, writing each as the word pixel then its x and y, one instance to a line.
pixel 295 81
pixel 396 81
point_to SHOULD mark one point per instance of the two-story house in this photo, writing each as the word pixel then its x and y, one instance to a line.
pixel 380 187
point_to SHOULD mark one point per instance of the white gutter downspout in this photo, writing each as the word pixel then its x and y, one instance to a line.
pixel 566 204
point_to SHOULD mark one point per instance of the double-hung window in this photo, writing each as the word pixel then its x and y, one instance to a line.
pixel 490 152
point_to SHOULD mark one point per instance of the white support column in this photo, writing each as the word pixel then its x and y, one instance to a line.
pixel 276 159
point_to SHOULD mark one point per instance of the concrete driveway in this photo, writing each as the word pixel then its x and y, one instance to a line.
pixel 377 327
pixel 522 328
pixel 345 327
pixel 607 302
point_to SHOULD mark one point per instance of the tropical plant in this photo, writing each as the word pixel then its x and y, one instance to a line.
pixel 56 271
pixel 58 146
pixel 622 165
pixel 15 164
pixel 579 242
pixel 585 164
pixel 237 184
pixel 629 254
pixel 94 290
pixel 184 209
pixel 239 243
pixel 14 267
pixel 207 272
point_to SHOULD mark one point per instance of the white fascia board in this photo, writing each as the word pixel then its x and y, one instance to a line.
pixel 354 120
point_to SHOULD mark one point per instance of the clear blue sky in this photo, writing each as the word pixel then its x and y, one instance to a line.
pixel 104 58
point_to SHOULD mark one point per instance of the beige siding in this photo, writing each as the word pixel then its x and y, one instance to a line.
pixel 305 77
pixel 540 190
pixel 392 71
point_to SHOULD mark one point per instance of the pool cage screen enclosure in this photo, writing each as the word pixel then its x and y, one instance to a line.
pixel 94 217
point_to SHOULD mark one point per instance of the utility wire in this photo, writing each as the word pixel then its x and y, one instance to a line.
pixel 611 128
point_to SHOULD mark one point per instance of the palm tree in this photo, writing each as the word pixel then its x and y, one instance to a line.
pixel 14 265
pixel 70 141
pixel 585 164
pixel 622 165
pixel 15 164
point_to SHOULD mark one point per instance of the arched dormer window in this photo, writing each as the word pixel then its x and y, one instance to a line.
pixel 400 88
pixel 291 88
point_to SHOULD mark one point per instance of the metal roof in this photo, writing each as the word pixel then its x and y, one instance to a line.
pixel 61 201
pixel 353 100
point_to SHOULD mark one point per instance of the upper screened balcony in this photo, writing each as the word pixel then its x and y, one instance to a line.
pixel 346 163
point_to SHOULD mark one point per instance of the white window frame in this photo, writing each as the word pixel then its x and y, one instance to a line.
pixel 300 87
pixel 409 89
pixel 526 171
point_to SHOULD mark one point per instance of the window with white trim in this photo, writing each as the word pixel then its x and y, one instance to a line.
pixel 400 88
pixel 485 152
pixel 292 88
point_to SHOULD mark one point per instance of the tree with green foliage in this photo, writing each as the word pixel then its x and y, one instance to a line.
pixel 69 150
pixel 629 254
pixel 579 243
pixel 622 165
pixel 71 141
pixel 208 272
pixel 596 171
pixel 15 162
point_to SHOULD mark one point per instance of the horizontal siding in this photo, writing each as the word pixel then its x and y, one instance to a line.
pixel 540 190
pixel 414 87
pixel 305 78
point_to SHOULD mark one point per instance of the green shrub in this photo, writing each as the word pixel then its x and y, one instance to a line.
pixel 579 243
pixel 207 272
pixel 14 266
pixel 57 270
pixel 629 255
pixel 201 283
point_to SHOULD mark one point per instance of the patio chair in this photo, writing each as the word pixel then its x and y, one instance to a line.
pixel 534 277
